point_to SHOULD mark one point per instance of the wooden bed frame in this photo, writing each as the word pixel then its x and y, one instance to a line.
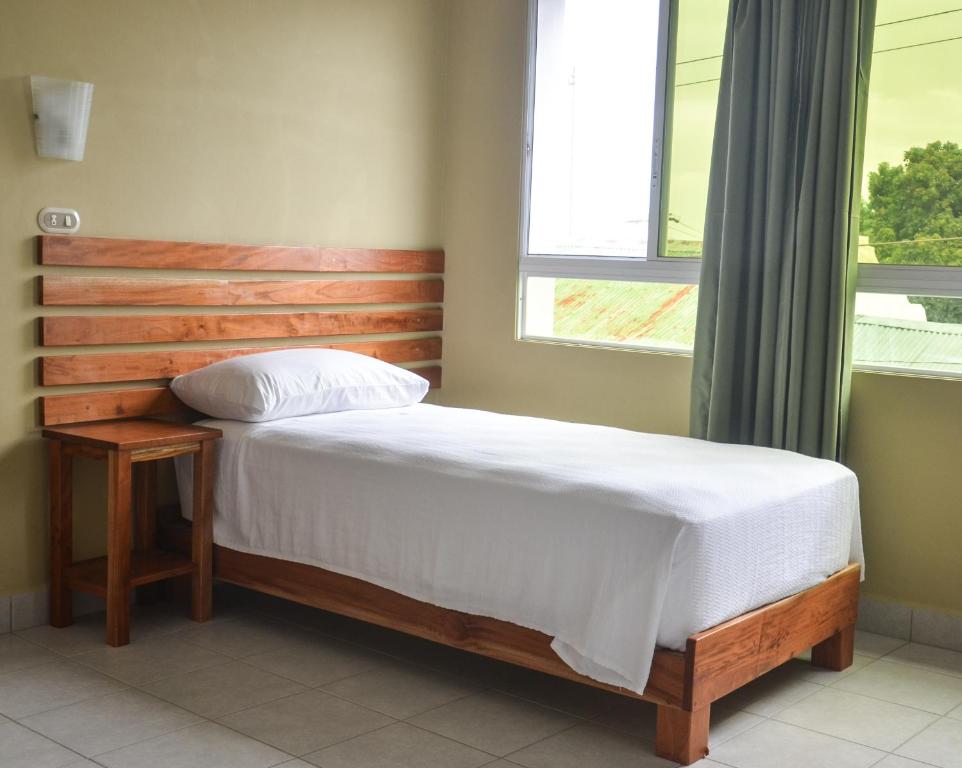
pixel 362 313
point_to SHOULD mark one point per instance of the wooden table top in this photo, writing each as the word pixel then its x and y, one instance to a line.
pixel 132 434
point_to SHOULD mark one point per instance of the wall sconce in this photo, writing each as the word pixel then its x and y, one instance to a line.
pixel 61 111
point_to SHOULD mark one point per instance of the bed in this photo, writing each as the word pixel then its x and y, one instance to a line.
pixel 726 561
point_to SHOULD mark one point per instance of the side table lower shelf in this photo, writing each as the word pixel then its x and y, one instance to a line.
pixel 145 568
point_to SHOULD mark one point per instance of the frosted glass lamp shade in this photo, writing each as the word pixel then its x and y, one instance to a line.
pixel 61 110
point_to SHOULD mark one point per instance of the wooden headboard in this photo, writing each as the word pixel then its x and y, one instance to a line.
pixel 352 296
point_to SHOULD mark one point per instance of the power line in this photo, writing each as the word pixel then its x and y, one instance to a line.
pixel 918 45
pixel 698 82
pixel 877 26
pixel 916 18
pixel 883 50
pixel 692 61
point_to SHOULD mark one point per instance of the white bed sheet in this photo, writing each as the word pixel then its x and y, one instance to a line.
pixel 608 540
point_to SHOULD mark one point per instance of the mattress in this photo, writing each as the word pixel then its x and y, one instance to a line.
pixel 608 540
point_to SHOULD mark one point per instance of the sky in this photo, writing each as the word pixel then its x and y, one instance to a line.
pixel 913 94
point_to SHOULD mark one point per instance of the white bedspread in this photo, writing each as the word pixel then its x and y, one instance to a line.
pixel 608 540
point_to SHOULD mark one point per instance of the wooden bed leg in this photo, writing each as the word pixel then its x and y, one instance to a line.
pixel 682 736
pixel 836 653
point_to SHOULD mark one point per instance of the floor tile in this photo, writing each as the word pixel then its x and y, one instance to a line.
pixel 22 748
pixel 207 745
pixel 549 691
pixel 17 653
pixel 928 657
pixel 814 674
pixel 895 761
pixel 109 722
pixel 632 716
pixel 772 692
pixel 638 718
pixel 243 636
pixel 399 746
pixel 150 659
pixel 85 634
pixel 956 713
pixel 167 618
pixel 305 722
pixel 728 723
pixel 494 722
pixel 871 722
pixel 589 745
pixel 940 744
pixel 902 684
pixel 773 744
pixel 443 658
pixel 401 690
pixel 223 689
pixel 314 659
pixel 37 689
pixel 870 644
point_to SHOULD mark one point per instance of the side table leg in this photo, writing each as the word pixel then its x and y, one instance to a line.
pixel 145 528
pixel 61 533
pixel 202 532
pixel 118 547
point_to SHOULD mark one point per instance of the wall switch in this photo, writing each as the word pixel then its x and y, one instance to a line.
pixel 63 221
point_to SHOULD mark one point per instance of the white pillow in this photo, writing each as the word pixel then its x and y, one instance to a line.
pixel 297 382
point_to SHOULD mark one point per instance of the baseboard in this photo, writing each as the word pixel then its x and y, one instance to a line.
pixel 31 609
pixel 920 625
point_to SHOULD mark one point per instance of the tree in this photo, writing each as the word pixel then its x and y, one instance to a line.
pixel 913 209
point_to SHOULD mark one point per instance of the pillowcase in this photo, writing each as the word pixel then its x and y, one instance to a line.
pixel 297 382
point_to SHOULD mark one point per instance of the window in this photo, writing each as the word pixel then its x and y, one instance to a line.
pixel 908 312
pixel 622 100
pixel 610 248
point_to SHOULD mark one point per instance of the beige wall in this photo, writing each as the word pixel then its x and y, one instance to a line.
pixel 906 436
pixel 370 122
pixel 263 121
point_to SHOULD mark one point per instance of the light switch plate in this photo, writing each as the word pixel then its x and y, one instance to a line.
pixel 61 221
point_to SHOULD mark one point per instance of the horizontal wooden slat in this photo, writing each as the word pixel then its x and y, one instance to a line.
pixel 115 404
pixel 135 403
pixel 160 254
pixel 58 370
pixel 66 290
pixel 134 329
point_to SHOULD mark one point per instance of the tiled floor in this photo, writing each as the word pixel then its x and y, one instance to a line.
pixel 269 683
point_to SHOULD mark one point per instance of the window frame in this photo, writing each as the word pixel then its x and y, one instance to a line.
pixel 625 267
pixel 655 267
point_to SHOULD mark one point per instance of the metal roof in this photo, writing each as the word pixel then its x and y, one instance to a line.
pixel 664 314
pixel 908 344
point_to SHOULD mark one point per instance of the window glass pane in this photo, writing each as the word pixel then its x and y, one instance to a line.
pixel 594 115
pixel 908 332
pixel 912 190
pixel 700 37
pixel 612 311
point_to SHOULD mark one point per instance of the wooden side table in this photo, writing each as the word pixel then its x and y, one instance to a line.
pixel 131 450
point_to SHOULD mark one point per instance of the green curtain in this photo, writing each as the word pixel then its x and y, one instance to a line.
pixel 773 340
